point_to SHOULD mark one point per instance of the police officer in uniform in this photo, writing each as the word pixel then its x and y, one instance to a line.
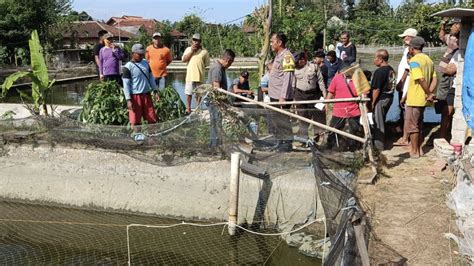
pixel 281 89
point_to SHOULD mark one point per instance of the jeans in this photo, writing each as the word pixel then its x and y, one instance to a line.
pixel 215 125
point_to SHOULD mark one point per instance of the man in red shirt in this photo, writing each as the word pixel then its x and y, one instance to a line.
pixel 159 57
pixel 342 87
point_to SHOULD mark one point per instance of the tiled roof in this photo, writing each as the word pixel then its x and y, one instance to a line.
pixel 134 21
pixel 91 29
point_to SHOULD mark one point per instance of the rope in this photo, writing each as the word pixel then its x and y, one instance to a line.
pixel 177 125
pixel 217 224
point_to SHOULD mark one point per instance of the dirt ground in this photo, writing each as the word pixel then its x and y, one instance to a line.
pixel 408 207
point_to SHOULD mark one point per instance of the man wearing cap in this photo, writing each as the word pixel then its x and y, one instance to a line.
pixel 445 93
pixel 309 86
pixel 159 57
pixel 138 83
pixel 241 85
pixel 197 58
pixel 403 79
pixel 280 89
pixel 109 60
pixel 420 92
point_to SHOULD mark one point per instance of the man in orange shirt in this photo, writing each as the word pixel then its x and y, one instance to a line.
pixel 159 57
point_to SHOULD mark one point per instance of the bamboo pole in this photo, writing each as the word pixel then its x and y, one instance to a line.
pixel 356 99
pixel 365 125
pixel 304 119
pixel 234 191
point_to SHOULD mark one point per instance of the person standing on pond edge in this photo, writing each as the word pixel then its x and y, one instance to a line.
pixel 403 79
pixel 97 48
pixel 342 86
pixel 197 58
pixel 333 65
pixel 109 58
pixel 420 91
pixel 138 84
pixel 281 89
pixel 446 92
pixel 159 57
pixel 309 86
pixel 218 79
pixel 382 87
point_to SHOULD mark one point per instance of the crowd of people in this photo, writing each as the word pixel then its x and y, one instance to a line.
pixel 296 77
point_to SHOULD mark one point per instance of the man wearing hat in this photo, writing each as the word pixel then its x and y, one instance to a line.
pixel 445 93
pixel 138 83
pixel 403 79
pixel 109 60
pixel 159 57
pixel 420 91
pixel 197 58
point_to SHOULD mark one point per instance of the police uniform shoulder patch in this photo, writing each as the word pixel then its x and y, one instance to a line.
pixel 288 63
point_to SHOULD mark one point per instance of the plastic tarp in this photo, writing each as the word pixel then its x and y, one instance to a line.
pixel 461 200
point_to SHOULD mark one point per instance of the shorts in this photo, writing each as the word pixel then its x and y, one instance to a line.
pixel 142 107
pixel 190 86
pixel 440 104
pixel 414 119
pixel 161 82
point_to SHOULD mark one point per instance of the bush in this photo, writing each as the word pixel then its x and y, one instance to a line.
pixel 104 103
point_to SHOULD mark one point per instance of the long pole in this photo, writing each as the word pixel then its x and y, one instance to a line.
pixel 304 119
pixel 234 191
pixel 357 99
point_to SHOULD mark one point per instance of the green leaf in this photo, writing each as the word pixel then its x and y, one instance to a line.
pixel 7 84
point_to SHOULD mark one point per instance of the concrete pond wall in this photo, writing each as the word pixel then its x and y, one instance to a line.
pixel 109 180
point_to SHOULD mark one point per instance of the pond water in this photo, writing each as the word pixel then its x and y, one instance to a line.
pixel 32 234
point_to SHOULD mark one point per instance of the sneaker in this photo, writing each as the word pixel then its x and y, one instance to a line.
pixel 139 138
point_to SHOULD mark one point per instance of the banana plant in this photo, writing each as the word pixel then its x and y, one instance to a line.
pixel 38 75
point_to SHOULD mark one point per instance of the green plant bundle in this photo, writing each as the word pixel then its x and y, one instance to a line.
pixel 104 103
pixel 170 106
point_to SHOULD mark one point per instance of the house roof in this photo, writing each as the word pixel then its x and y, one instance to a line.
pixel 456 12
pixel 91 29
pixel 132 23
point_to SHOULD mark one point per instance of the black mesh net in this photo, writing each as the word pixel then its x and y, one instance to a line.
pixel 275 149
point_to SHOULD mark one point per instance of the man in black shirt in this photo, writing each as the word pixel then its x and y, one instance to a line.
pixel 347 51
pixel 97 48
pixel 383 84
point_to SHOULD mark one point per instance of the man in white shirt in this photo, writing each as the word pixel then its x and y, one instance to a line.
pixel 403 79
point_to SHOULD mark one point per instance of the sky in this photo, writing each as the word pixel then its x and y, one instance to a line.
pixel 214 11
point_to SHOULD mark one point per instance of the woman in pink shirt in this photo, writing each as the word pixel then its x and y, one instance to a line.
pixel 343 112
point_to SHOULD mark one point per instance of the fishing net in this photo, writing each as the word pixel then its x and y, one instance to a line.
pixel 287 167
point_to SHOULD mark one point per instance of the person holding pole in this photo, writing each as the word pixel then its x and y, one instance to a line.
pixel 218 79
pixel 343 112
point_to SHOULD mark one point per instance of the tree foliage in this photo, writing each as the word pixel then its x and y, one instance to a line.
pixel 18 19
